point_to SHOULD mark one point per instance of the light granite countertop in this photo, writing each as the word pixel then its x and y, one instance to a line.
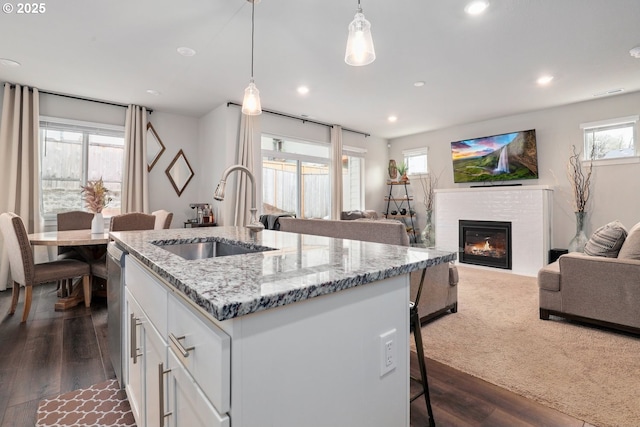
pixel 293 267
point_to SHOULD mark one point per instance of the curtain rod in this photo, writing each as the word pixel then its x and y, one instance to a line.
pixel 99 101
pixel 302 119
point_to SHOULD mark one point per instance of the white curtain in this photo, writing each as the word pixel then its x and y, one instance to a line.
pixel 135 182
pixel 19 162
pixel 244 158
pixel 336 171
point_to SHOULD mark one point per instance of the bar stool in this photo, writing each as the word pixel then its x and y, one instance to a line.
pixel 414 325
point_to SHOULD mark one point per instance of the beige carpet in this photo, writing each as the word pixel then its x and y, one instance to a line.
pixel 588 373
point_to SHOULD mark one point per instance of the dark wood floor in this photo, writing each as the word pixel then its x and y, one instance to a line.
pixel 57 352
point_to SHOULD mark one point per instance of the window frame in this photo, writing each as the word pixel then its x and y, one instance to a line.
pixel 590 128
pixel 87 128
pixel 300 158
pixel 416 152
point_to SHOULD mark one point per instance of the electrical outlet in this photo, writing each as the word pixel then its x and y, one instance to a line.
pixel 388 353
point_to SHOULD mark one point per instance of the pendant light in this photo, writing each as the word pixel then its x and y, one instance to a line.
pixel 251 102
pixel 360 49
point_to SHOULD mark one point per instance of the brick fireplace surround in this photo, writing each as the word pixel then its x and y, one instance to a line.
pixel 527 207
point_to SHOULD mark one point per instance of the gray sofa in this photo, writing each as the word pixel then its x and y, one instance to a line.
pixel 603 290
pixel 440 291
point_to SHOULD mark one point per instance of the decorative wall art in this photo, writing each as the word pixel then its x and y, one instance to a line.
pixel 179 172
pixel 155 147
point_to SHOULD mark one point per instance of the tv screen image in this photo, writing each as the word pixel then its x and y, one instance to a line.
pixel 504 157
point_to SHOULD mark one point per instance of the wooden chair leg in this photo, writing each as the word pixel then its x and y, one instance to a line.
pixel 28 293
pixel 86 288
pixel 15 294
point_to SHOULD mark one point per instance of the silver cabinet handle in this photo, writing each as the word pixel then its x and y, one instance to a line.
pixel 176 341
pixel 134 322
pixel 161 373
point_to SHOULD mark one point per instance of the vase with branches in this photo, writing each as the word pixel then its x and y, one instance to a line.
pixel 96 197
pixel 580 180
pixel 429 183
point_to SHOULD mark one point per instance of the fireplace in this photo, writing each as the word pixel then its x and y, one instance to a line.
pixel 486 243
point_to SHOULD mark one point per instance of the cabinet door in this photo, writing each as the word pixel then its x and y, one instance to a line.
pixel 146 351
pixel 204 350
pixel 187 403
pixel 135 369
pixel 154 356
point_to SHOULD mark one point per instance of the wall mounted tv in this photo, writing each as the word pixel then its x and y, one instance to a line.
pixel 505 157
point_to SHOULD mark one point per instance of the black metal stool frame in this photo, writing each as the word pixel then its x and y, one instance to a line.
pixel 414 325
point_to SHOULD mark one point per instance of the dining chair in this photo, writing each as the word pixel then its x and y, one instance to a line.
pixel 125 222
pixel 163 219
pixel 72 220
pixel 24 271
pixel 415 327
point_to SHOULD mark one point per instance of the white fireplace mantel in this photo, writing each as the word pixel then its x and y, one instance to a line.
pixel 527 207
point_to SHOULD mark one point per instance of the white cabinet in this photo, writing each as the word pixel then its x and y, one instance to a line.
pixel 167 347
pixel 190 407
pixel 313 363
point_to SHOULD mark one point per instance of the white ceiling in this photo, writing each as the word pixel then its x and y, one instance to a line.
pixel 475 68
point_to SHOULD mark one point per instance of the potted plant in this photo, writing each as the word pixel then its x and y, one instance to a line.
pixel 402 171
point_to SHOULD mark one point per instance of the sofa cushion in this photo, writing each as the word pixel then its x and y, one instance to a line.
pixel 607 240
pixel 549 277
pixel 631 247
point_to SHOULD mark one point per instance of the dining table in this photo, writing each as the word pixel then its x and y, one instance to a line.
pixel 85 242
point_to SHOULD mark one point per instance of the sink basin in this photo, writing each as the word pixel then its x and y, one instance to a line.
pixel 211 249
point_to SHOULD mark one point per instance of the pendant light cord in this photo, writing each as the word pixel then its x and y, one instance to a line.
pixel 253 6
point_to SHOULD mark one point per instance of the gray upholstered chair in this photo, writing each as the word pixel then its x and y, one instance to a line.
pixel 25 272
pixel 72 220
pixel 126 222
pixel 163 219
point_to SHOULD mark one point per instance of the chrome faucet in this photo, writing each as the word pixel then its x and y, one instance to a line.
pixel 254 224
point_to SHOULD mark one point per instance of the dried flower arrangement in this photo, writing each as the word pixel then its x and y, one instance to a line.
pixel 429 184
pixel 96 196
pixel 580 179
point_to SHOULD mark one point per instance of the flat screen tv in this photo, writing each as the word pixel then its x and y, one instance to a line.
pixel 505 157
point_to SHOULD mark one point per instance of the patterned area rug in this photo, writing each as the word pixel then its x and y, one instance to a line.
pixel 101 405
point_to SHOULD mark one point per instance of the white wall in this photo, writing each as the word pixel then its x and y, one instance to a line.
pixel 176 133
pixel 616 188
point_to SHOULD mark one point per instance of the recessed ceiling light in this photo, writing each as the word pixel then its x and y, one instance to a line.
pixel 303 90
pixel 9 62
pixel 186 51
pixel 476 7
pixel 392 119
pixel 153 92
pixel 635 52
pixel 419 84
pixel 544 80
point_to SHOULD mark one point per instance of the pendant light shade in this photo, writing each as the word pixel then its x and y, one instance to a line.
pixel 360 50
pixel 251 101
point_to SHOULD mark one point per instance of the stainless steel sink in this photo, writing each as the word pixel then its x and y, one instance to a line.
pixel 210 249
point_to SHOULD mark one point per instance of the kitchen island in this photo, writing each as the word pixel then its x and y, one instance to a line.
pixel 300 331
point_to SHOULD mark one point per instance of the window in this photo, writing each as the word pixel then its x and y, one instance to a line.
pixel 296 178
pixel 416 161
pixel 73 153
pixel 352 179
pixel 610 139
